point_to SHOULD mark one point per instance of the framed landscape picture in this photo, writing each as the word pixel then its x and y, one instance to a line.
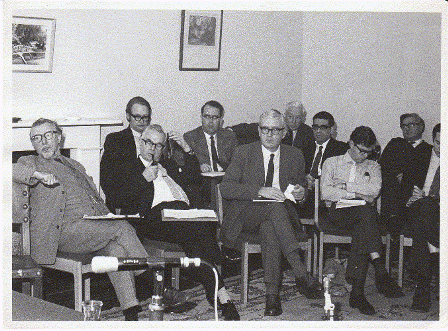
pixel 200 40
pixel 32 44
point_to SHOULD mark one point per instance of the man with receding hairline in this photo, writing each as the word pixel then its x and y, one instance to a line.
pixel 298 133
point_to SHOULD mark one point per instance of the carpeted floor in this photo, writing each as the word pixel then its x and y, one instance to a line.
pixel 295 306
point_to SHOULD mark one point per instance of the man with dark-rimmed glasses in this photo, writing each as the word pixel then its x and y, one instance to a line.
pixel 353 176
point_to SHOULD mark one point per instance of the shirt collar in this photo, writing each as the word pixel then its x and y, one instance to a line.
pixel 145 162
pixel 324 145
pixel 347 158
pixel 416 143
pixel 267 153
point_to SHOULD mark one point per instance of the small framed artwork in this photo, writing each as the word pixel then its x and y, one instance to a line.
pixel 32 44
pixel 200 40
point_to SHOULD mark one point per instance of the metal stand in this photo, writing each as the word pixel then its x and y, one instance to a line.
pixel 329 306
pixel 156 306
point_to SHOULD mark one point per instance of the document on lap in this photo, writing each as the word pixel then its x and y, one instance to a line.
pixel 288 195
pixel 205 215
pixel 344 203
pixel 110 216
pixel 213 174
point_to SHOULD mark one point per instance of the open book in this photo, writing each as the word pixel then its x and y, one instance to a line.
pixel 344 203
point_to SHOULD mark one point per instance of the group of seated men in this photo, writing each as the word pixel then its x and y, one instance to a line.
pixel 145 170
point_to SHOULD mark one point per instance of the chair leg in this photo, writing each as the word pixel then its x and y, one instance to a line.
pixel 87 288
pixel 36 287
pixel 315 254
pixel 308 255
pixel 400 261
pixel 77 278
pixel 244 275
pixel 336 252
pixel 321 256
pixel 388 252
pixel 175 276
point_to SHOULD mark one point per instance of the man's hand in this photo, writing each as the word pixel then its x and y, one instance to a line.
pixel 271 193
pixel 150 172
pixel 416 195
pixel 45 178
pixel 177 137
pixel 205 167
pixel 366 198
pixel 298 192
pixel 310 181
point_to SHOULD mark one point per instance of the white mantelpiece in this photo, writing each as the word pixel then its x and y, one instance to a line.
pixel 82 138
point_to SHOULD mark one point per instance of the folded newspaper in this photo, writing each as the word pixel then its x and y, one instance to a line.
pixel 344 203
pixel 189 213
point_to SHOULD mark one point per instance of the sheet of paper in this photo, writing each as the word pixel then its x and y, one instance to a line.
pixel 344 203
pixel 213 174
pixel 288 193
pixel 110 216
pixel 189 213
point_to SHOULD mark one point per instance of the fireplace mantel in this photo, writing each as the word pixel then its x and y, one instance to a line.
pixel 82 136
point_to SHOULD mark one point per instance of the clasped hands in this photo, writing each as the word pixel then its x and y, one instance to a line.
pixel 366 198
pixel 276 194
pixel 152 171
pixel 45 178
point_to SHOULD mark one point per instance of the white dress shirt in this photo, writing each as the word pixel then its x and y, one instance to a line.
pixel 266 158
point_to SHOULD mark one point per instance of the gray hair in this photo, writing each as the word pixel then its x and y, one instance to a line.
pixel 42 121
pixel 156 127
pixel 294 105
pixel 272 113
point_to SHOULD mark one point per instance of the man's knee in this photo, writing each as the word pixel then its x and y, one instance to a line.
pixel 278 213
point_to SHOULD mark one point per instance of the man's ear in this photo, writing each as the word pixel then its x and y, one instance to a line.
pixel 284 132
pixel 221 122
pixel 128 117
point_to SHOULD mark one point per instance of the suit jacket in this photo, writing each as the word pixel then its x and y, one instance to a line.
pixel 245 176
pixel 400 157
pixel 334 148
pixel 47 206
pixel 226 143
pixel 118 167
pixel 304 138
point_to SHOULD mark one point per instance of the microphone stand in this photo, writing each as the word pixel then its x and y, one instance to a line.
pixel 156 306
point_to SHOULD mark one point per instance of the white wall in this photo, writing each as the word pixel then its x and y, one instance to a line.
pixel 368 68
pixel 103 58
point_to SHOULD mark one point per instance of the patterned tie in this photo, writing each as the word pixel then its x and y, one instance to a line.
pixel 214 154
pixel 314 168
pixel 270 173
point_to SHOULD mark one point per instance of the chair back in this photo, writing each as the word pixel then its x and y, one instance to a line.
pixel 21 219
pixel 219 205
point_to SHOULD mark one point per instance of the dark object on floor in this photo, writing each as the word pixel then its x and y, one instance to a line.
pixel 421 302
pixel 131 313
pixel 387 286
pixel 273 305
pixel 310 287
pixel 359 301
pixel 16 119
pixel 229 312
pixel 173 297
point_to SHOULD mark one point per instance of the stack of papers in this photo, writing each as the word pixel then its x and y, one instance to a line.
pixel 344 203
pixel 189 213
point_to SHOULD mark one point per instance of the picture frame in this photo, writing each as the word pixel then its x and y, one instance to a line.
pixel 200 40
pixel 32 44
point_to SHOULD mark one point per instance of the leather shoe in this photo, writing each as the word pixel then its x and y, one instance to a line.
pixel 359 301
pixel 310 287
pixel 273 305
pixel 421 302
pixel 229 311
pixel 173 297
pixel 387 286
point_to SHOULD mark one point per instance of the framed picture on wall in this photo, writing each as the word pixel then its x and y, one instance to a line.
pixel 32 44
pixel 200 40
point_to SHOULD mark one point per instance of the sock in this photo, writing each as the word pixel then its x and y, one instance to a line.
pixel 296 264
pixel 131 313
pixel 223 296
pixel 380 270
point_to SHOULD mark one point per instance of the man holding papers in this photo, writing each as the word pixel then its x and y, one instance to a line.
pixel 162 185
pixel 264 169
pixel 353 176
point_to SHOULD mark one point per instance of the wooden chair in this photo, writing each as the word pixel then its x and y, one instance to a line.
pixel 337 238
pixel 250 244
pixel 24 268
pixel 404 241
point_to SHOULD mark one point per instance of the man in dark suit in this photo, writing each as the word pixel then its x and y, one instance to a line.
pixel 424 219
pixel 61 194
pixel 324 147
pixel 404 164
pixel 298 134
pixel 263 170
pixel 160 183
pixel 212 145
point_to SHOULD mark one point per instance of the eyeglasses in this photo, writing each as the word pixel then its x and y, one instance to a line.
pixel 316 127
pixel 37 138
pixel 274 131
pixel 364 152
pixel 139 118
pixel 151 144
pixel 211 117
pixel 409 125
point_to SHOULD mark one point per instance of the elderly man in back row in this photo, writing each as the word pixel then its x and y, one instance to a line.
pixel 61 194
pixel 353 176
pixel 263 170
pixel 298 133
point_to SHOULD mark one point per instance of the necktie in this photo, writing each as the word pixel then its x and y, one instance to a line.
pixel 214 154
pixel 270 173
pixel 314 168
